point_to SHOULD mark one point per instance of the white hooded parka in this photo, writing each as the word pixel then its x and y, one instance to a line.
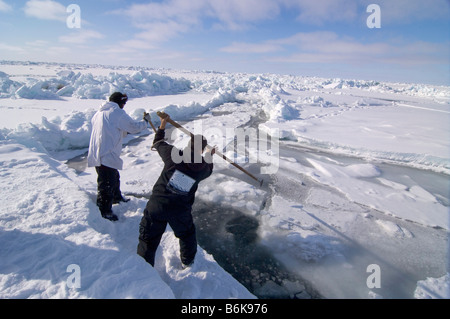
pixel 109 125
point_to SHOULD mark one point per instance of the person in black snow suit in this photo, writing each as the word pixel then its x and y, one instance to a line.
pixel 173 196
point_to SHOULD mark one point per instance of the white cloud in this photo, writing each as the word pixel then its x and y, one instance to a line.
pixel 329 47
pixel 46 10
pixel 80 36
pixel 165 20
pixel 4 7
pixel 168 19
pixel 392 11
pixel 318 12
pixel 236 14
pixel 161 31
pixel 58 51
pixel 157 22
pixel 407 11
pixel 331 43
pixel 11 48
pixel 160 22
pixel 229 12
pixel 37 50
pixel 241 47
pixel 37 43
pixel 180 10
pixel 133 45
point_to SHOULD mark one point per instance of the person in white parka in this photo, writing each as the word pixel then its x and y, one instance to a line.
pixel 109 125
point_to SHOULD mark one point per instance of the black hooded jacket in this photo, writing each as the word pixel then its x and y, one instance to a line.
pixel 176 186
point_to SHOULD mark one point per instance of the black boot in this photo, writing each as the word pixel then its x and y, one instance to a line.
pixel 120 199
pixel 110 216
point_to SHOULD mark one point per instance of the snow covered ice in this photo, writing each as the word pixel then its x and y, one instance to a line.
pixel 361 179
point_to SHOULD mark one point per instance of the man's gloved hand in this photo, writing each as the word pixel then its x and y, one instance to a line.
pixel 147 117
pixel 164 119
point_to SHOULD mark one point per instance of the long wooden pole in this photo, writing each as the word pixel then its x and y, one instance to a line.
pixel 178 126
pixel 150 121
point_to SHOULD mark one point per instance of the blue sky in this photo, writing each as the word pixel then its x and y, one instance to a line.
pixel 325 38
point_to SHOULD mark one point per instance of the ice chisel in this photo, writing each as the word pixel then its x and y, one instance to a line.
pixel 150 121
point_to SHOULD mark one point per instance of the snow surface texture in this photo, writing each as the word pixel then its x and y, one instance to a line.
pixel 361 178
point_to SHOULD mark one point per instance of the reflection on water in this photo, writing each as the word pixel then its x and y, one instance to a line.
pixel 232 238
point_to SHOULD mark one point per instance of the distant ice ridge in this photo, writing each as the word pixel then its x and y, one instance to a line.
pixel 88 86
pixel 281 84
pixel 142 83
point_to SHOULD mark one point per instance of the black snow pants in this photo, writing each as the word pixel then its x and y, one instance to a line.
pixel 108 188
pixel 153 224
